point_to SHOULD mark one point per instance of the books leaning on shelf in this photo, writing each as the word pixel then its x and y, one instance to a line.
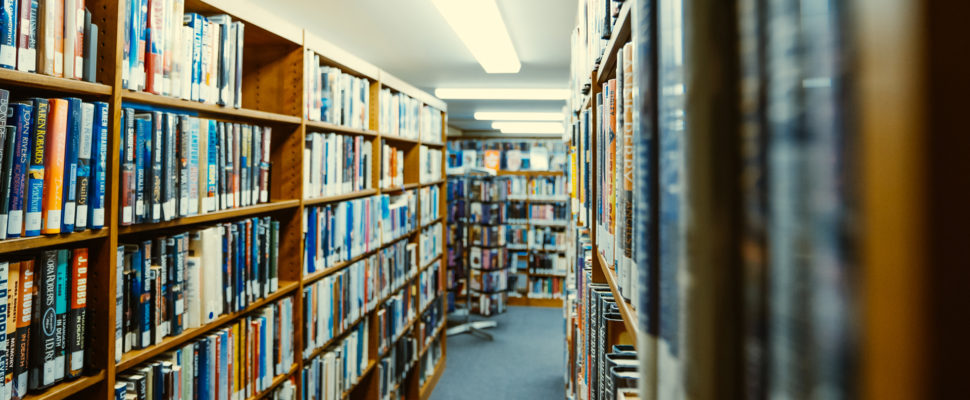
pixel 392 166
pixel 430 201
pixel 431 242
pixel 430 161
pixel 187 280
pixel 170 52
pixel 176 165
pixel 399 115
pixel 431 125
pixel 336 164
pixel 43 321
pixel 239 360
pixel 394 367
pixel 328 375
pixel 337 232
pixel 53 38
pixel 334 96
pixel 333 304
pixel 396 313
pixel 53 154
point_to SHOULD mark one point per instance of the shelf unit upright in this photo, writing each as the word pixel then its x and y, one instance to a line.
pixel 272 95
pixel 528 300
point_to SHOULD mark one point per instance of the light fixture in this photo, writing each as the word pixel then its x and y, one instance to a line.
pixel 479 25
pixel 518 116
pixel 501 94
pixel 528 127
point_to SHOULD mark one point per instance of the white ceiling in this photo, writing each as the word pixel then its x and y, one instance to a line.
pixel 411 40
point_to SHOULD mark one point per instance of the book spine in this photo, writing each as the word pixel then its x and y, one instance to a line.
pixel 43 326
pixel 153 52
pixel 61 300
pixel 157 156
pixel 77 13
pixel 46 14
pixel 236 164
pixel 264 165
pixel 8 34
pixel 77 319
pixel 25 295
pixel 244 159
pixel 69 37
pixel 71 144
pixel 120 296
pixel 237 97
pixel 90 60
pixel 85 144
pixel 127 168
pixel 13 280
pixel 170 169
pixel 143 126
pixel 212 166
pixel 21 157
pixel 54 168
pixel 99 155
pixel 195 143
pixel 27 36
pixel 33 218
pixel 184 152
pixel 5 321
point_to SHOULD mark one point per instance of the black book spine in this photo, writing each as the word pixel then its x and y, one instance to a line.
pixel 44 322
pixel 169 176
pixel 89 72
pixel 184 148
pixel 155 199
pixel 141 387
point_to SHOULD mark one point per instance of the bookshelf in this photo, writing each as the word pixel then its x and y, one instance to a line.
pixel 273 82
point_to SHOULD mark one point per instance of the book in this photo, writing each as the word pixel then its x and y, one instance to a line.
pixel 90 63
pixel 85 147
pixel 20 119
pixel 34 190
pixel 99 154
pixel 54 166
pixel 43 328
pixel 71 150
pixel 27 35
pixel 25 291
pixel 61 300
pixel 77 315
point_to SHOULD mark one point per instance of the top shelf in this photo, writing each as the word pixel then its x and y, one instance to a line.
pixel 619 37
pixel 9 77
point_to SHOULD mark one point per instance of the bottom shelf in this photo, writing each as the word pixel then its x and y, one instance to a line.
pixel 66 389
pixel 530 302
pixel 428 386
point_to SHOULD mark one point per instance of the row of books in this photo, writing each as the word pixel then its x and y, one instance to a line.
pixel 395 314
pixel 239 360
pixel 394 367
pixel 336 164
pixel 328 375
pixel 486 281
pixel 430 202
pixel 332 304
pixel 334 96
pixel 487 235
pixel 286 390
pixel 392 166
pixel 490 303
pixel 490 213
pixel 54 162
pixel 519 237
pixel 337 232
pixel 398 215
pixel 548 187
pixel 172 283
pixel 507 154
pixel 487 258
pixel 486 188
pixel 43 317
pixel 548 213
pixel 549 239
pixel 429 361
pixel 170 52
pixel 431 242
pixel 176 165
pixel 432 128
pixel 549 263
pixel 429 284
pixel 55 38
pixel 400 114
pixel 589 40
pixel 545 287
pixel 430 164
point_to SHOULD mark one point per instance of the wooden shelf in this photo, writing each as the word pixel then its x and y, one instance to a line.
pixel 69 388
pixel 330 127
pixel 339 336
pixel 9 77
pixel 136 357
pixel 370 367
pixel 210 109
pixel 428 386
pixel 210 217
pixel 437 332
pixel 626 310
pixel 340 197
pixel 432 183
pixel 432 222
pixel 399 139
pixel 311 278
pixel 547 275
pixel 619 37
pixel 435 145
pixel 429 263
pixel 277 381
pixel 394 189
pixel 36 242
pixel 534 302
pixel 528 173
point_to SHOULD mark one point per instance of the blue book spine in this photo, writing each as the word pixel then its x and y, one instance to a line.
pixel 143 129
pixel 203 369
pixel 69 209
pixel 195 21
pixel 262 349
pixel 85 149
pixel 35 171
pixel 99 161
pixel 8 34
pixel 240 267
pixel 146 324
pixel 15 216
pixel 132 35
pixel 212 174
pixel 311 240
pixel 194 193
pixel 223 364
pixel 227 284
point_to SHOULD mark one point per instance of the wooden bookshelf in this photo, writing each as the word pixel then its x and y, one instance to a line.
pixel 272 95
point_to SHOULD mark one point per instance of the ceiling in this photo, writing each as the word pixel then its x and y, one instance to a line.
pixel 412 41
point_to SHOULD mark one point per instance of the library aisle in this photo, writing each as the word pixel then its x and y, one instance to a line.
pixel 523 362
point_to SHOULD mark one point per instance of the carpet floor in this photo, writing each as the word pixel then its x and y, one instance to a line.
pixel 525 361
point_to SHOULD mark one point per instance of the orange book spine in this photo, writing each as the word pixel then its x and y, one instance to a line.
pixel 54 167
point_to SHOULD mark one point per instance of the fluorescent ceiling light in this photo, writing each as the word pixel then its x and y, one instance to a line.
pixel 528 127
pixel 532 131
pixel 479 25
pixel 519 116
pixel 501 94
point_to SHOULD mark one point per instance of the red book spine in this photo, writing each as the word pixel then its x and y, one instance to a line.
pixel 26 37
pixel 153 56
pixel 78 15
pixel 54 167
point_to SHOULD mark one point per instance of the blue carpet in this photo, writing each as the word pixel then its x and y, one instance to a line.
pixel 525 361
